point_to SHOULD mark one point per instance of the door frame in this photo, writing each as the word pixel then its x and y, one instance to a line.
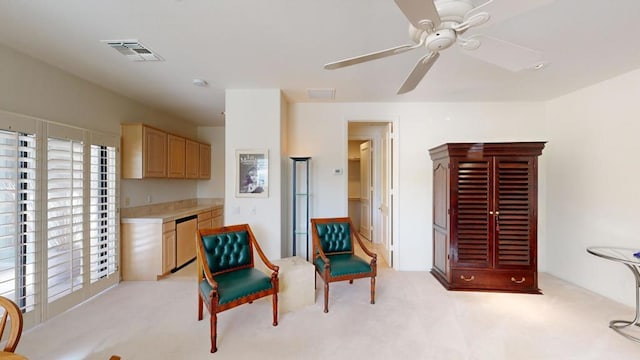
pixel 393 211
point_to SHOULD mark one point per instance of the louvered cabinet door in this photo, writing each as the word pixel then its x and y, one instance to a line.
pixel 470 203
pixel 515 212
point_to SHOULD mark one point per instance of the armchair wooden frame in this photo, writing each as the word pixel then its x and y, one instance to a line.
pixel 12 311
pixel 322 260
pixel 213 297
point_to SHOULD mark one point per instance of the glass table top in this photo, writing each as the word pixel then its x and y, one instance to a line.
pixel 620 254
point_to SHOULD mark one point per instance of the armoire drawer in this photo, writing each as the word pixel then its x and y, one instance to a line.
pixel 504 280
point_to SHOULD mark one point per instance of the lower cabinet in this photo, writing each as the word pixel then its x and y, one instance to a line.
pixel 143 250
pixel 205 220
pixel 168 246
pixel 210 218
pixel 151 250
pixel 217 219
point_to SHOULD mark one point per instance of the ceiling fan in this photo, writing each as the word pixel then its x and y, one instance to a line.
pixel 438 24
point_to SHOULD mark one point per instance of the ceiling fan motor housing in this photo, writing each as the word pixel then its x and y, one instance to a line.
pixel 440 40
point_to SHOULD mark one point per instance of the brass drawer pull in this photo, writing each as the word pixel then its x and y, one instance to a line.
pixel 467 279
pixel 517 281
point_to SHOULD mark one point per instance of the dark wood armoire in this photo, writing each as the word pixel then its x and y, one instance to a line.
pixel 485 212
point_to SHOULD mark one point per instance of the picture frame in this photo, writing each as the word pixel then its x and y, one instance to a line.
pixel 252 170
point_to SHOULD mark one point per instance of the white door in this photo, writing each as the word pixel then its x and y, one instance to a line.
pixel 365 190
pixel 386 196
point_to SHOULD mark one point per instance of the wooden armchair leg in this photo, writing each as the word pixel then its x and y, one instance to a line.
pixel 351 281
pixel 275 309
pixel 214 331
pixel 373 290
pixel 200 303
pixel 326 297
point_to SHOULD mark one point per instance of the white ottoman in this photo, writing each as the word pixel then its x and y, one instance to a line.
pixel 296 278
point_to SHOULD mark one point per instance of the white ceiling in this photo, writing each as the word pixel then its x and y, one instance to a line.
pixel 246 44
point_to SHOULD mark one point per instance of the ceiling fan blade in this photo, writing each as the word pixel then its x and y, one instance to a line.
pixel 372 56
pixel 476 19
pixel 421 13
pixel 503 53
pixel 502 10
pixel 418 72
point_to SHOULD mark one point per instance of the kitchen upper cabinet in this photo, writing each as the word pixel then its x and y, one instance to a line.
pixel 193 160
pixel 148 152
pixel 176 156
pixel 144 152
pixel 205 161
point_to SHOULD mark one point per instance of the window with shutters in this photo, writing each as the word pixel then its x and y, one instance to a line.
pixel 103 212
pixel 59 221
pixel 18 270
pixel 65 233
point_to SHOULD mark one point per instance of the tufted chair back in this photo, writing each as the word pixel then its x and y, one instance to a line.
pixel 335 237
pixel 334 243
pixel 228 251
pixel 226 273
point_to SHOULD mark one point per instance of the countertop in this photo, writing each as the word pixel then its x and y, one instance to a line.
pixel 165 212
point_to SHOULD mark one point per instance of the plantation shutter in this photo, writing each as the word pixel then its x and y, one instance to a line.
pixel 65 234
pixel 103 213
pixel 18 270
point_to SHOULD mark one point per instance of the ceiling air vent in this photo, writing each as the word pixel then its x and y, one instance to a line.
pixel 133 50
pixel 321 94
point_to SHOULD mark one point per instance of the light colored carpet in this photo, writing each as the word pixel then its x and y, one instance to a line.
pixel 414 318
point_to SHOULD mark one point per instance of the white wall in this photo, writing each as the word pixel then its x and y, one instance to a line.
pixel 31 87
pixel 214 187
pixel 320 130
pixel 254 120
pixel 593 183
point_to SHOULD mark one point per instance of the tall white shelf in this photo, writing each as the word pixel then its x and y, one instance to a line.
pixel 300 209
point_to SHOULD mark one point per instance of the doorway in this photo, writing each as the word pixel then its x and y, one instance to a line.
pixel 370 184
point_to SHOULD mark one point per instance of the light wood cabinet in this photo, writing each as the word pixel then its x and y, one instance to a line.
pixel 151 250
pixel 142 251
pixel 205 220
pixel 176 156
pixel 147 152
pixel 168 247
pixel 217 217
pixel 192 161
pixel 485 216
pixel 154 153
pixel 144 152
pixel 205 161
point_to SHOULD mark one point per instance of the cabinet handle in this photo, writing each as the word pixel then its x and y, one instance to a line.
pixel 467 279
pixel 517 281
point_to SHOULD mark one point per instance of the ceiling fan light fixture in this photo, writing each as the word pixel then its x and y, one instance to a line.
pixel 441 39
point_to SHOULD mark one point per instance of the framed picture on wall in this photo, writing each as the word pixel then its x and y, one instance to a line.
pixel 252 169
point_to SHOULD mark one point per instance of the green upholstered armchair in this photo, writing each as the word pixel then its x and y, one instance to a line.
pixel 226 273
pixel 333 254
